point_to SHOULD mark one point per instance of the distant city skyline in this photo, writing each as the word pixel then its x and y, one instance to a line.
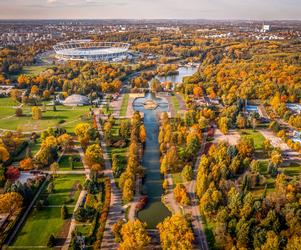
pixel 151 9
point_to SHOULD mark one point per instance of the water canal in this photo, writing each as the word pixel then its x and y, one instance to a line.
pixel 155 211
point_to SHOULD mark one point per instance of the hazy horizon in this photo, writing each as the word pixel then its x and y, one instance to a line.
pixel 151 10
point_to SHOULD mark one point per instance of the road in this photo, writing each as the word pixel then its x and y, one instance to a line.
pixel 115 211
pixel 194 209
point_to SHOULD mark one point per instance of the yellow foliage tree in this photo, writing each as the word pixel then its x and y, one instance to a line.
pixel 175 233
pixel 81 129
pixel 134 235
pixel 142 134
pixel 4 154
pixel 10 203
pixel 36 113
pixel 26 164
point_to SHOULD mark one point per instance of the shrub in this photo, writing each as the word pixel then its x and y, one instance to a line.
pixel 51 241
pixel 12 173
pixel 83 214
pixel 64 212
pixel 19 112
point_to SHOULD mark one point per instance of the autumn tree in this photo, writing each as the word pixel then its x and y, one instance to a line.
pixel 4 154
pixel 10 203
pixel 142 134
pixel 36 113
pixel 241 121
pixel 181 195
pixel 65 141
pixel 134 235
pixel 245 146
pixel 276 157
pixel 12 173
pixel 81 130
pixel 223 125
pixel 175 233
pixel 94 154
pixel 187 173
pixel 26 164
pixel 54 167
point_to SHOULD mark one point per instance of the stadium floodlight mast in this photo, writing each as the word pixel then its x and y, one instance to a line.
pixel 87 50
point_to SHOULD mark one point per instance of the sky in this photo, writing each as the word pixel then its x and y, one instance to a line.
pixel 151 9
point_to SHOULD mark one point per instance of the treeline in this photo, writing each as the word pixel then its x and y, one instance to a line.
pixel 133 168
pixel 225 178
pixel 253 70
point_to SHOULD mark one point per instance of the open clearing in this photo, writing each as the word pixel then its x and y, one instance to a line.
pixel 42 223
pixel 66 117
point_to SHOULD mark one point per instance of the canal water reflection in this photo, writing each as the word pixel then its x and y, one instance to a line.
pixel 155 211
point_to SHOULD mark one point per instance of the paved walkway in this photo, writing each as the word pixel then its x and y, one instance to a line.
pixel 82 194
pixel 169 198
pixel 135 202
pixel 194 209
pixel 115 211
pixel 276 142
pixel 232 137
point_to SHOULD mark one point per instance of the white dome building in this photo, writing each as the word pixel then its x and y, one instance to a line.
pixel 76 100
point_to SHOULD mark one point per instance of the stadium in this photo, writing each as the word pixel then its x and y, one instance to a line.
pixel 86 50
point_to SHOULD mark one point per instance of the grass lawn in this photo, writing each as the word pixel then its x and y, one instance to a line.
pixel 115 134
pixel 41 223
pixel 65 166
pixel 7 107
pixel 255 135
pixel 177 178
pixel 107 109
pixel 292 170
pixel 35 147
pixel 32 70
pixel 65 190
pixel 175 103
pixel 208 229
pixel 64 116
pixel 39 226
pixel 124 105
pixel 84 229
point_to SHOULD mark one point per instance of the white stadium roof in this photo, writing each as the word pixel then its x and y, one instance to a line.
pixel 87 50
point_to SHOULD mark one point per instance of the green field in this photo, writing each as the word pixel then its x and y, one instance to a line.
pixel 124 105
pixel 42 223
pixel 32 70
pixel 67 117
pixel 38 227
pixel 65 164
pixel 257 137
pixel 175 103
pixel 177 178
pixel 7 107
